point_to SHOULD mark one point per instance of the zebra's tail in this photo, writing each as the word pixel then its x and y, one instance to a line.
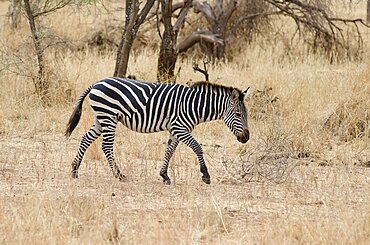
pixel 76 114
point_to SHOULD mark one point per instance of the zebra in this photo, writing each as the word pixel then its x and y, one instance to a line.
pixel 152 107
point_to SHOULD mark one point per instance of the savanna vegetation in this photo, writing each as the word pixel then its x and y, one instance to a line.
pixel 304 176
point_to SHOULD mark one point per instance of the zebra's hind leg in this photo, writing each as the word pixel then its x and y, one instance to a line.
pixel 94 132
pixel 109 131
pixel 170 149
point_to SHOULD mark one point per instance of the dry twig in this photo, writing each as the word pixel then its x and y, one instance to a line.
pixel 204 71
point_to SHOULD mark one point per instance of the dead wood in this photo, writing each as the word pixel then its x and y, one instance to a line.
pixel 325 31
pixel 134 19
pixel 204 71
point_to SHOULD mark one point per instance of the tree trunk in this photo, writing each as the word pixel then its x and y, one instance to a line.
pixel 41 83
pixel 132 9
pixel 132 25
pixel 14 13
pixel 221 26
pixel 168 51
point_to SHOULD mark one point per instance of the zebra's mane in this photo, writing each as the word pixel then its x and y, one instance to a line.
pixel 213 87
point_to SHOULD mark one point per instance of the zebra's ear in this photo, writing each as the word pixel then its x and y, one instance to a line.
pixel 245 92
pixel 235 95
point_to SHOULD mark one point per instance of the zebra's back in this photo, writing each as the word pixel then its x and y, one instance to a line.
pixel 141 106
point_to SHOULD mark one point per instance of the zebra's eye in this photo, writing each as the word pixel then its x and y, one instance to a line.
pixel 237 114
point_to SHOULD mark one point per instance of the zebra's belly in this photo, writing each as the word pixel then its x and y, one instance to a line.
pixel 142 125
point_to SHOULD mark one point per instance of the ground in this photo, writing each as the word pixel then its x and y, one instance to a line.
pixel 40 203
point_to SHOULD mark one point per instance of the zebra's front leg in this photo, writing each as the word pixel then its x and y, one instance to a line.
pixel 188 140
pixel 107 146
pixel 86 141
pixel 170 149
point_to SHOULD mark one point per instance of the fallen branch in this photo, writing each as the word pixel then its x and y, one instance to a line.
pixel 199 37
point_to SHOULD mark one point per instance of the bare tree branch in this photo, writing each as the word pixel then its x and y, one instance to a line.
pixel 181 19
pixel 132 9
pixel 143 14
pixel 225 16
pixel 206 10
pixel 47 9
pixel 167 53
pixel 134 19
pixel 354 21
pixel 251 17
pixel 204 71
pixel 40 84
pixel 168 49
pixel 199 37
pixel 322 30
pixel 217 16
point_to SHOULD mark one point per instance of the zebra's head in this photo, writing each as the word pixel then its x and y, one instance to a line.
pixel 236 116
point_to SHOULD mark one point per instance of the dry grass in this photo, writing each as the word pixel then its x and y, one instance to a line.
pixel 311 128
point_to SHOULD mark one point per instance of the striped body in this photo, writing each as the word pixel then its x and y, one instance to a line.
pixel 151 107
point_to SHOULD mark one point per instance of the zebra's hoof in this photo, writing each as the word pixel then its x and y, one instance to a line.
pixel 122 178
pixel 167 181
pixel 206 180
pixel 74 175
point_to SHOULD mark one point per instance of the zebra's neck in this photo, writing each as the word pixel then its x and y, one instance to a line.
pixel 212 102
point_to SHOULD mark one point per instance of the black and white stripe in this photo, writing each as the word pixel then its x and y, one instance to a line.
pixel 151 107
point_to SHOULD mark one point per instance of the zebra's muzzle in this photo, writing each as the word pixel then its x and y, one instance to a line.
pixel 244 137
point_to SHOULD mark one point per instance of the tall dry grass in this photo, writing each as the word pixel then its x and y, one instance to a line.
pixel 302 178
